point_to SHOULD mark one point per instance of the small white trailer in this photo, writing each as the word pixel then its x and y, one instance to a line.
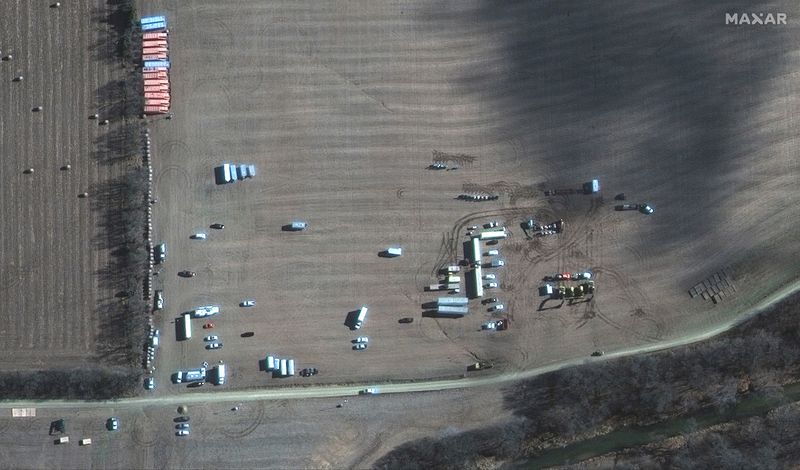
pixel 453 269
pixel 394 252
pixel 290 367
pixel 284 367
pixel 270 363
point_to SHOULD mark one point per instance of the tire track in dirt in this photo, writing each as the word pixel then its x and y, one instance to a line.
pixel 249 428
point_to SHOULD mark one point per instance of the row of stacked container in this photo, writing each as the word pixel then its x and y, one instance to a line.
pixel 155 54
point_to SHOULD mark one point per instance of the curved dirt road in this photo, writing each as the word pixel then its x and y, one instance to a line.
pixel 334 391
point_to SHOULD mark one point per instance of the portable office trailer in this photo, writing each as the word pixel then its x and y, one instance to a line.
pixel 493 234
pixel 156 88
pixel 63 440
pixel 226 171
pixel 162 55
pixel 453 269
pixel 452 279
pixel 436 287
pixel 252 170
pixel 155 42
pixel 453 286
pixel 85 442
pixel 476 250
pixel 394 251
pixel 187 326
pixel 156 102
pixel 155 69
pixel 156 81
pixel 154 50
pixel 270 363
pixel 150 36
pixel 243 173
pixel 362 315
pixel 451 311
pixel 290 367
pixel 232 167
pixel 457 301
pixel 297 226
pixel 284 366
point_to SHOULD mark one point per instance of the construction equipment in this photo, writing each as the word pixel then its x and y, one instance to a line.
pixel 549 229
pixel 479 366
pixel 588 287
pixel 589 187
pixel 644 208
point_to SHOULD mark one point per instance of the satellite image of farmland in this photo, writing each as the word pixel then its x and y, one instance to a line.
pixel 393 234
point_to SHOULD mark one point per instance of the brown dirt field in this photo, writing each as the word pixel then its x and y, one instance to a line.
pixel 340 106
pixel 51 292
pixel 290 434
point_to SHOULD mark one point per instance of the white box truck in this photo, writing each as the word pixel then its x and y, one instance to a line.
pixel 362 315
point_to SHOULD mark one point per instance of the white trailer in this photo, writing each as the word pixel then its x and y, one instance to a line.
pixel 453 279
pixel 270 363
pixel 458 301
pixel 394 251
pixel 290 367
pixel 476 250
pixel 187 326
pixel 453 269
pixel 284 367
pixel 221 372
pixel 362 315
pixel 435 287
pixel 478 281
pixel 493 234
pixel 452 311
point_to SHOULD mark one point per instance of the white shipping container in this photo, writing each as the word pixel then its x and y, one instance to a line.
pixel 290 367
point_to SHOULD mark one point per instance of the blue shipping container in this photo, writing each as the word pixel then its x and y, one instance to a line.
pixel 156 63
pixel 154 26
pixel 153 19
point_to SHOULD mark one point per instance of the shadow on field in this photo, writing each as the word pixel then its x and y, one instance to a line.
pixel 667 82
pixel 573 72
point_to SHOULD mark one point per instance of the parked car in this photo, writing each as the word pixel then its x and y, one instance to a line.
pixel 182 426
pixel 370 391
pixel 187 274
pixel 493 253
pixel 213 345
pixel 149 383
pixel 406 320
pixel 489 300
pixel 112 424
pixel 198 236
pixel 248 303
pixel 182 432
pixel 491 285
pixel 359 346
pixel 489 276
pixel 159 302
pixel 492 325
pixel 208 326
pixel 597 353
pixel 362 339
pixel 217 226
pixel 581 276
pixel 181 419
pixel 491 224
pixel 211 338
pixel 497 308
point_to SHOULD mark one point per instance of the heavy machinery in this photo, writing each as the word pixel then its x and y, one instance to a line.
pixel 589 187
pixel 479 366
pixel 644 208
